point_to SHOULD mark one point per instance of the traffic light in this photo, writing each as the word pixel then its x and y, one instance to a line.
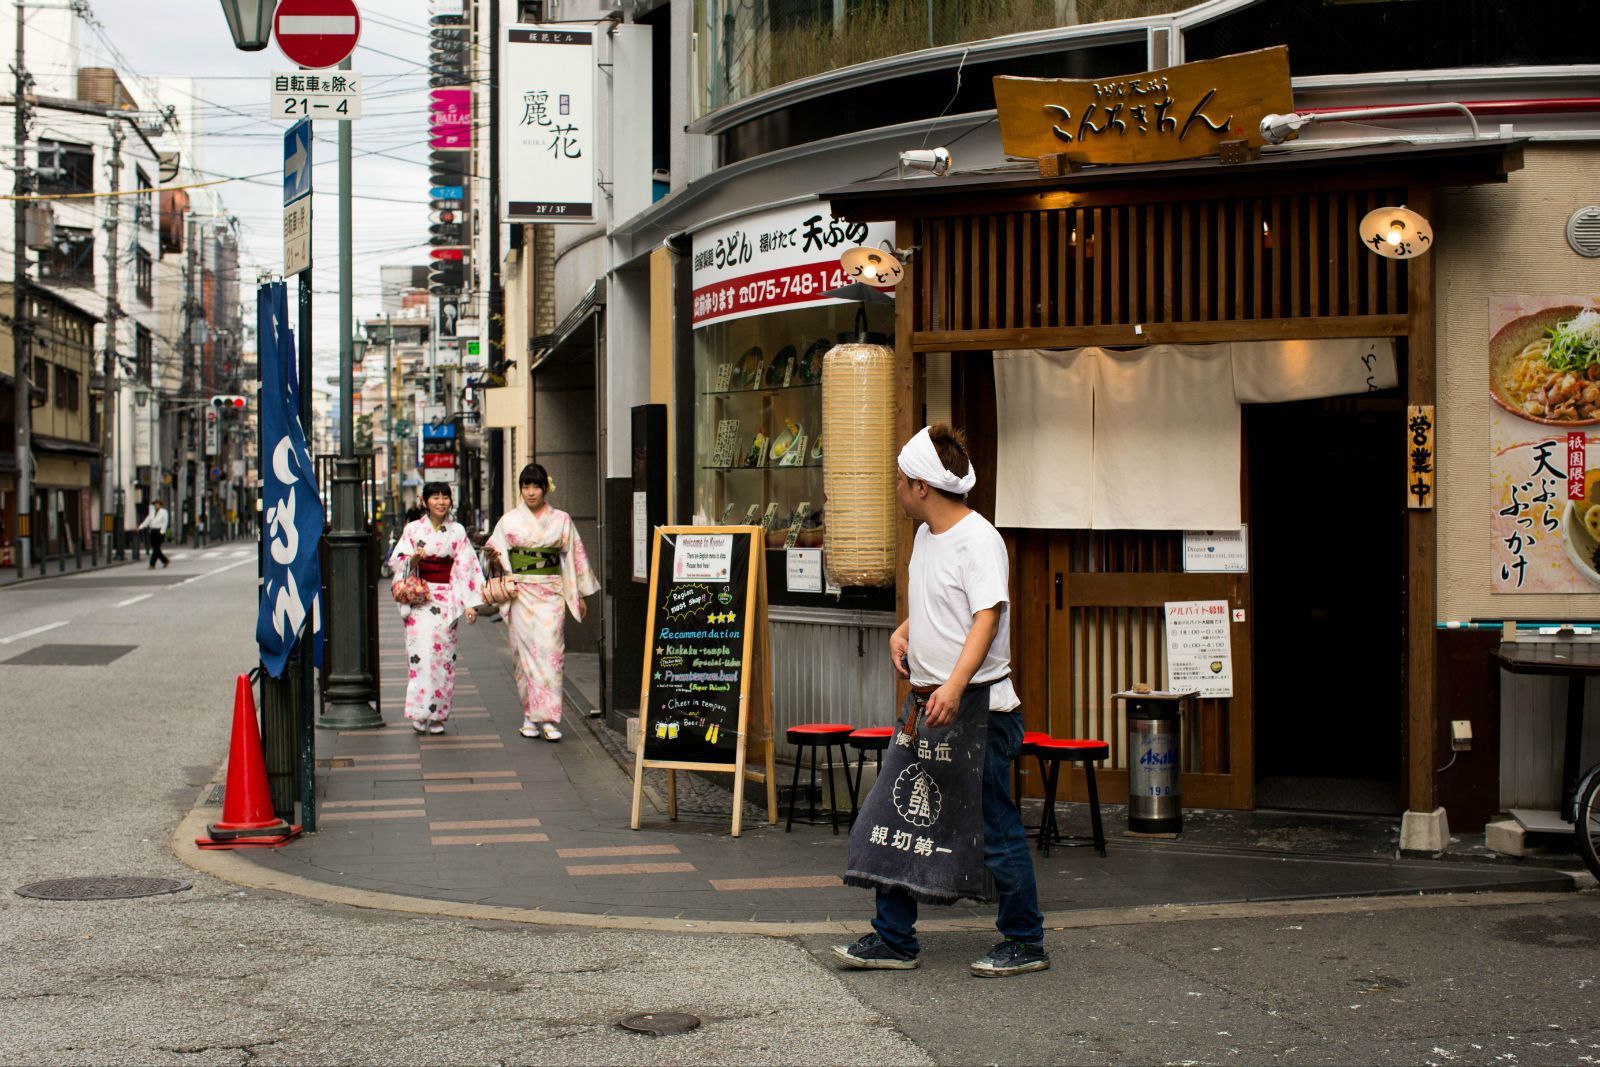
pixel 224 404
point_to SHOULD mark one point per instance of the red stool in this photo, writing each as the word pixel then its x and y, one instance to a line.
pixel 815 735
pixel 874 739
pixel 1052 753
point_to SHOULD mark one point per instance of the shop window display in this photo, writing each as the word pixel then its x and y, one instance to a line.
pixel 758 446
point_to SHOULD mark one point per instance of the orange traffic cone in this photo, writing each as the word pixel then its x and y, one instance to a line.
pixel 247 818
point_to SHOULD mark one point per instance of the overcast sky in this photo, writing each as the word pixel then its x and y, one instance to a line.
pixel 190 38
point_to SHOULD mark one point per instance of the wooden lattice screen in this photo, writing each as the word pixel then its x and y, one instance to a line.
pixel 1232 259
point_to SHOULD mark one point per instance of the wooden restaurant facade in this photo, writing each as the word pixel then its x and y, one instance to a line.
pixel 1333 623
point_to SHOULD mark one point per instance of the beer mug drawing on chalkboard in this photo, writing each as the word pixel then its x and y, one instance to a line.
pixel 667 731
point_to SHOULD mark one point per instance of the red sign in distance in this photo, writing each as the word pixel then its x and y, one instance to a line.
pixel 317 33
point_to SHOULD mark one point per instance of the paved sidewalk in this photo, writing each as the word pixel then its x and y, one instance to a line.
pixel 482 815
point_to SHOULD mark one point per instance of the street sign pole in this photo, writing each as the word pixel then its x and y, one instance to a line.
pixel 351 699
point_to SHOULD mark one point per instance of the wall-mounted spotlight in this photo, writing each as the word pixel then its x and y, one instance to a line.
pixel 934 161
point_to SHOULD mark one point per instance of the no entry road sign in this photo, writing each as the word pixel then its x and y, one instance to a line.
pixel 317 33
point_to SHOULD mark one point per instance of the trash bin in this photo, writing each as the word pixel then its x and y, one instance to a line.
pixel 1155 760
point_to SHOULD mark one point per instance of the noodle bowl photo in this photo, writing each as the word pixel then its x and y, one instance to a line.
pixel 1545 367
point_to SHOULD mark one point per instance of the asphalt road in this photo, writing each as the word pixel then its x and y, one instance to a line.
pixel 100 762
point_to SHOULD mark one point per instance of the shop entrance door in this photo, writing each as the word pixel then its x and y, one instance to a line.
pixel 1327 541
pixel 1105 594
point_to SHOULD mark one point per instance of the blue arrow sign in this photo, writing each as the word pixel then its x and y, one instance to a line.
pixel 447 192
pixel 297 162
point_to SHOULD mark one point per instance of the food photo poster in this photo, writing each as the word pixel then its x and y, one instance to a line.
pixel 1544 432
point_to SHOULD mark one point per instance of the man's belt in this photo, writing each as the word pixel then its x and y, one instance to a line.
pixel 534 561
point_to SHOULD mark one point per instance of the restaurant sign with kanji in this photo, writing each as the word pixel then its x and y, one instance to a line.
pixel 1183 112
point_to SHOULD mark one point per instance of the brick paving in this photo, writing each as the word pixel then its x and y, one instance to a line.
pixel 482 815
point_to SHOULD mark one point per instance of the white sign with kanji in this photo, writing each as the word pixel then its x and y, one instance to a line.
pixel 547 148
pixel 316 94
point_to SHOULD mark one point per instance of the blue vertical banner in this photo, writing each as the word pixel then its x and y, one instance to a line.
pixel 292 516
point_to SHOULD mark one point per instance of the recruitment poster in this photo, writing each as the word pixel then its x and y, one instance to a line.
pixel 1199 647
pixel 1544 390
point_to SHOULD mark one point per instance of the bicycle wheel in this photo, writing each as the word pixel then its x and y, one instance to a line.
pixel 1586 826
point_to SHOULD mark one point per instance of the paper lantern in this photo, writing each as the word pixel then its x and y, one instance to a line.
pixel 858 464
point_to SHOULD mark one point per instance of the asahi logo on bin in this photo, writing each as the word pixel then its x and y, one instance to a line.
pixel 1158 760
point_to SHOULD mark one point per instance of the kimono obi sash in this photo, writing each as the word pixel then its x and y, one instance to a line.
pixel 435 569
pixel 535 561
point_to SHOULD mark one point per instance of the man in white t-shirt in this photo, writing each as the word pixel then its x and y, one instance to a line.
pixel 956 637
pixel 156 523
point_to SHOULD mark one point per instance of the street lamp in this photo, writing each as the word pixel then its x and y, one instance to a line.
pixel 250 22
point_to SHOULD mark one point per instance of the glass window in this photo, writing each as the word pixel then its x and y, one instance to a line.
pixel 758 424
pixel 143 274
pixel 144 203
pixel 144 353
pixel 746 48
pixel 65 168
pixel 70 260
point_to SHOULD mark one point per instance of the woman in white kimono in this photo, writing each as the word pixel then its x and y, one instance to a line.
pixel 445 560
pixel 539 547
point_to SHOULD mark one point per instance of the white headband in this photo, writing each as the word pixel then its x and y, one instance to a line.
pixel 920 460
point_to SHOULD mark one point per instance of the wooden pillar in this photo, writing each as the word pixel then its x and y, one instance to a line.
pixel 1421 542
pixel 908 396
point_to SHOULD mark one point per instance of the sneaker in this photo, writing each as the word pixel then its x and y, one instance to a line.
pixel 419 726
pixel 435 726
pixel 1012 957
pixel 549 731
pixel 872 953
pixel 529 730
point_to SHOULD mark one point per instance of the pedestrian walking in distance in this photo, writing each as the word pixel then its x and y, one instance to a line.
pixel 436 550
pixel 538 546
pixel 955 649
pixel 156 523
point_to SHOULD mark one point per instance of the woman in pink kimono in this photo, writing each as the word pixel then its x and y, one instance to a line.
pixel 445 560
pixel 539 547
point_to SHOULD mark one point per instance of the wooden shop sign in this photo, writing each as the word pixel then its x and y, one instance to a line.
pixel 1184 112
pixel 706 701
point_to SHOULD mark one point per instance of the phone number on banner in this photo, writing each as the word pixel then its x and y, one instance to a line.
pixel 757 292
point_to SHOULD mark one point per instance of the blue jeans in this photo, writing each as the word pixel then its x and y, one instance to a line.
pixel 1005 853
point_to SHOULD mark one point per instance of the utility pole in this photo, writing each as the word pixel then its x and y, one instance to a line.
pixel 21 325
pixel 111 472
pixel 186 391
pixel 351 700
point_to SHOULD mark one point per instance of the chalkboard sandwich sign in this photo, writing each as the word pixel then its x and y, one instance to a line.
pixel 707 687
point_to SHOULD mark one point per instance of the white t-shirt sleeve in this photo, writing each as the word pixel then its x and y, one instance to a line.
pixel 985 578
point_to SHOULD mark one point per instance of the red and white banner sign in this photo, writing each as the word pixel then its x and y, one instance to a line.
pixel 774 260
pixel 317 33
pixel 436 460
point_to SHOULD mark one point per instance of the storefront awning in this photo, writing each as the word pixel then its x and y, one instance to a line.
pixel 573 337
pixel 1454 163
pixel 62 447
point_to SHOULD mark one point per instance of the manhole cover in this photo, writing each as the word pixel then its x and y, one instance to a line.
pixel 101 888
pixel 660 1023
pixel 72 655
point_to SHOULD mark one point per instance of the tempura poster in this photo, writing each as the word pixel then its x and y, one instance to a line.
pixel 1544 430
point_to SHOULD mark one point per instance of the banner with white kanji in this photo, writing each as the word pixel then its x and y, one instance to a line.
pixel 1544 426
pixel 921 827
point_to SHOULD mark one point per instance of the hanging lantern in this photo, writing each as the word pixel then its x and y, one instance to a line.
pixel 858 463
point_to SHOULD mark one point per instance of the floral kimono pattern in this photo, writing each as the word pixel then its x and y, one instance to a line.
pixel 538 637
pixel 431 627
